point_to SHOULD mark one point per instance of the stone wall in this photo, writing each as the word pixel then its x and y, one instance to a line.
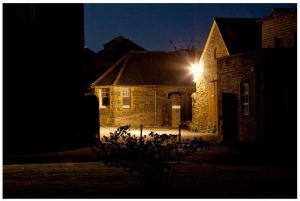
pixel 144 109
pixel 232 71
pixel 106 114
pixel 205 107
pixel 277 25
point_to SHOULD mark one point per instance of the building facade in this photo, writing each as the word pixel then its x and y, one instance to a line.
pixel 257 97
pixel 255 79
pixel 221 42
pixel 147 88
pixel 279 29
pixel 204 99
pixel 143 105
pixel 236 96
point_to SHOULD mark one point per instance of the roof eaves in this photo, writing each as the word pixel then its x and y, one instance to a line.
pixel 240 54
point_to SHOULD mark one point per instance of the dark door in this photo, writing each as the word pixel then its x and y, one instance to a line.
pixel 230 132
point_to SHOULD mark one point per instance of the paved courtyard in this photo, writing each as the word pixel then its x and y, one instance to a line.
pixel 220 172
pixel 185 134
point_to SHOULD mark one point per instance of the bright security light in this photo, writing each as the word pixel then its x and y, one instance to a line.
pixel 197 69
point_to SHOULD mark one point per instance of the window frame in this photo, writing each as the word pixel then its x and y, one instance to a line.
pixel 126 95
pixel 101 97
pixel 245 98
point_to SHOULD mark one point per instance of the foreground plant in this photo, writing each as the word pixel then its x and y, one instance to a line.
pixel 153 158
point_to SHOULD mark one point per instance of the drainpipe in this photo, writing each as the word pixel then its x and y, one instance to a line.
pixel 154 106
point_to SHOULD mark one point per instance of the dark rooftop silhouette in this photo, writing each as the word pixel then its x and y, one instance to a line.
pixel 105 58
pixel 281 10
pixel 121 40
pixel 278 12
pixel 240 34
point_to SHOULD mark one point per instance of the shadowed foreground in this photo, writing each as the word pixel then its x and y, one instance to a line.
pixel 217 173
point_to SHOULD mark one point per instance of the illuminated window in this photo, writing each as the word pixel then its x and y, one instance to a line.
pixel 126 97
pixel 245 98
pixel 104 97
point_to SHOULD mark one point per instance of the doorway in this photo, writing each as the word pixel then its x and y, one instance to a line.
pixel 229 103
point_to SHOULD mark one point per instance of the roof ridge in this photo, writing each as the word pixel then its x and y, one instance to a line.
pixel 109 70
pixel 122 68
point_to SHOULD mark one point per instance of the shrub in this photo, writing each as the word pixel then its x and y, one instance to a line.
pixel 153 159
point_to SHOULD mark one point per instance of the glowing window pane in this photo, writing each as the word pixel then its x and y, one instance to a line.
pixel 126 97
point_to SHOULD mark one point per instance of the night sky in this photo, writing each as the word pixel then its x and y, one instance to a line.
pixel 152 26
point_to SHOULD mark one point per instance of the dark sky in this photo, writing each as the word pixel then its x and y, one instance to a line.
pixel 152 26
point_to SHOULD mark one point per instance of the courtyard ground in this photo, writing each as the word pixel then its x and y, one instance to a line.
pixel 220 172
pixel 185 133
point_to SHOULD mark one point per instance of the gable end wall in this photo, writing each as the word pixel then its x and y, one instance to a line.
pixel 202 102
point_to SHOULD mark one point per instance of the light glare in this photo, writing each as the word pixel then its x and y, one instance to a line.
pixel 197 70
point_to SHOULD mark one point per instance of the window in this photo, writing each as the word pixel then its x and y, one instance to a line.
pixel 126 97
pixel 104 97
pixel 245 98
pixel 279 41
pixel 215 53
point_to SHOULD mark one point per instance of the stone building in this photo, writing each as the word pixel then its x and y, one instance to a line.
pixel 255 95
pixel 227 36
pixel 147 88
pixel 279 29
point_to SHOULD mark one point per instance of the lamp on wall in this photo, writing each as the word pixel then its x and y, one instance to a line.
pixel 197 70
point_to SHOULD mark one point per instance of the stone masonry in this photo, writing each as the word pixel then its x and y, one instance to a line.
pixel 281 24
pixel 149 106
pixel 232 71
pixel 205 107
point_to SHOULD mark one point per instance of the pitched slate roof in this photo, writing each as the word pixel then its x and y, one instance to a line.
pixel 151 68
pixel 240 34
